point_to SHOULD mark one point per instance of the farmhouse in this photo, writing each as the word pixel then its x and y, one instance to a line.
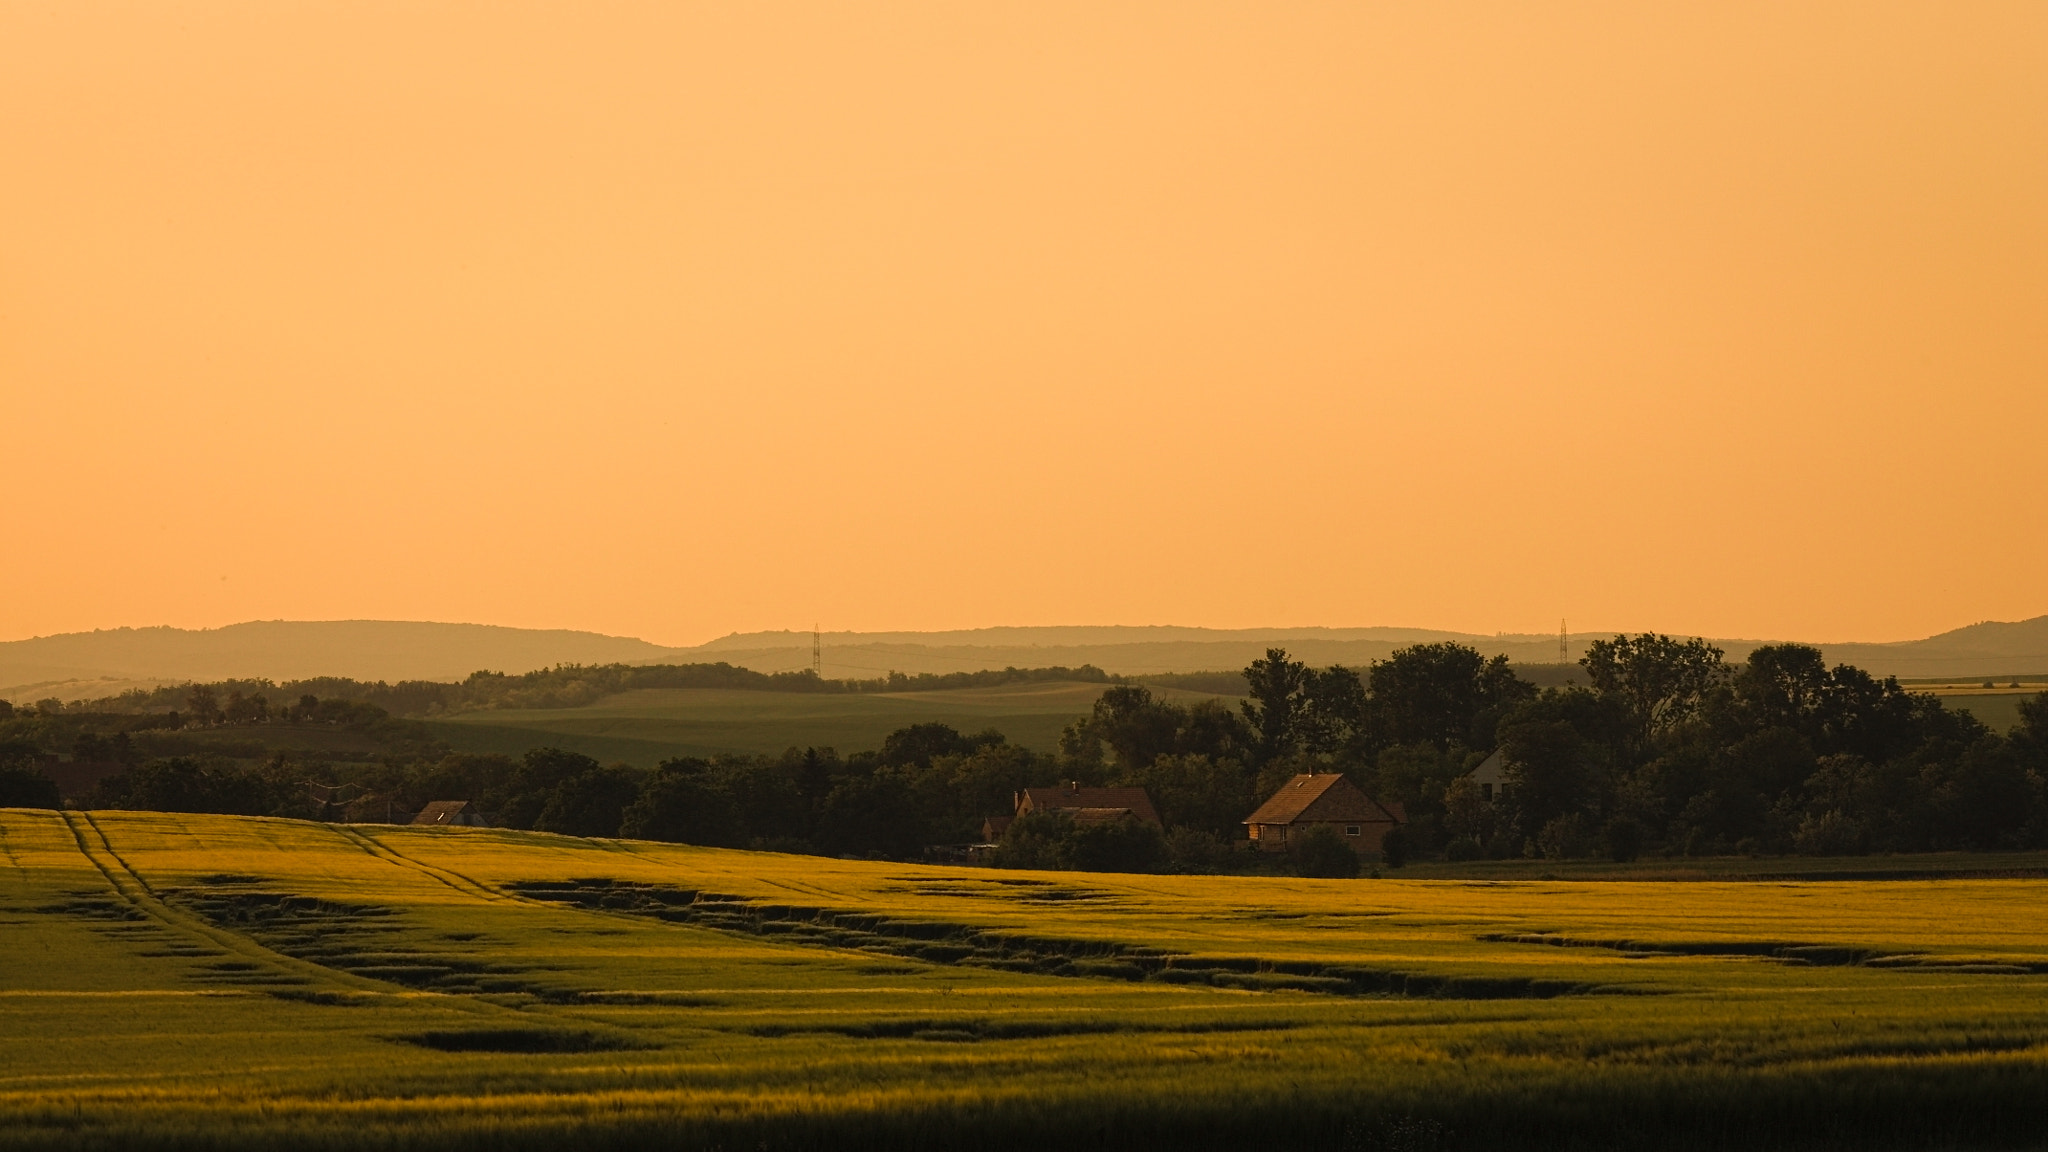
pixel 1089 805
pixel 1491 776
pixel 1322 798
pixel 458 813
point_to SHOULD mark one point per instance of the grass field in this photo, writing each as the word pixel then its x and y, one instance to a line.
pixel 1998 707
pixel 237 982
pixel 646 727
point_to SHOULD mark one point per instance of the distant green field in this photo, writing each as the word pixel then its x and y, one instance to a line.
pixel 1998 708
pixel 646 727
pixel 230 982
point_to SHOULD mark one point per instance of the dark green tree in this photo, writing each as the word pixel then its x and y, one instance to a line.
pixel 591 803
pixel 1321 852
pixel 1439 693
pixel 1660 681
pixel 680 804
pixel 1277 704
pixel 24 787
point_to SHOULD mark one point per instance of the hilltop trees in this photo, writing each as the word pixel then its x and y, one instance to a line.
pixel 1441 694
pixel 1780 753
pixel 1658 681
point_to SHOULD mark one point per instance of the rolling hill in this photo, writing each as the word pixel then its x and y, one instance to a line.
pixel 83 665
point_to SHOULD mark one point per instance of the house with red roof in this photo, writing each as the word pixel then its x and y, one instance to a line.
pixel 1325 798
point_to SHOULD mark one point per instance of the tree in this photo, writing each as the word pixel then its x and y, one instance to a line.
pixel 1135 727
pixel 1032 840
pixel 679 805
pixel 1784 685
pixel 519 800
pixel 919 744
pixel 872 814
pixel 1277 703
pixel 1547 773
pixel 183 784
pixel 24 787
pixel 1661 681
pixel 1436 693
pixel 1125 845
pixel 1322 853
pixel 1197 792
pixel 591 803
pixel 202 704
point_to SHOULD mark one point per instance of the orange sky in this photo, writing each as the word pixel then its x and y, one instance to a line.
pixel 673 319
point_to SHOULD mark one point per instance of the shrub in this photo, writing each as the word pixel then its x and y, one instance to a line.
pixel 1196 849
pixel 27 788
pixel 1829 834
pixel 1463 848
pixel 1321 852
pixel 1624 840
pixel 1394 847
pixel 1561 839
pixel 1126 845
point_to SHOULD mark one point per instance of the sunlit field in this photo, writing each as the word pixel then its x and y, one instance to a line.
pixel 225 981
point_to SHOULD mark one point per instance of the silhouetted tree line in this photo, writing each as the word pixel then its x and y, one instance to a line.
pixel 563 686
pixel 1668 749
pixel 1671 746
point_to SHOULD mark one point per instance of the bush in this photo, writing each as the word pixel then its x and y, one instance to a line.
pixel 27 788
pixel 1462 849
pixel 1196 849
pixel 1829 834
pixel 1321 852
pixel 1394 847
pixel 1624 840
pixel 1053 840
pixel 1562 839
pixel 1126 845
pixel 1032 841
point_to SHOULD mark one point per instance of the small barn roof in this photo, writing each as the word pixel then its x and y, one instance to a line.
pixel 1072 797
pixel 446 812
pixel 1098 815
pixel 1323 797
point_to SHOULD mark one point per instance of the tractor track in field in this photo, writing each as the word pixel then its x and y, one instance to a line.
pixel 137 892
pixel 475 889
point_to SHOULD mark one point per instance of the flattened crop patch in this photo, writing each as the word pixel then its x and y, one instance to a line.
pixel 518 1040
pixel 936 942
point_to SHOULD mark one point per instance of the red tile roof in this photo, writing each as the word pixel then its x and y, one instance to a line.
pixel 1324 797
pixel 1071 797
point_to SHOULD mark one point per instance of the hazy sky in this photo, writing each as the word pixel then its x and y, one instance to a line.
pixel 673 319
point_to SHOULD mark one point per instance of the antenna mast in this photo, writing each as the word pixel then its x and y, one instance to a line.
pixel 817 653
pixel 1563 649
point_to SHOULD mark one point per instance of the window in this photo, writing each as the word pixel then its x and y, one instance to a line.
pixel 1486 792
pixel 1351 829
pixel 1255 831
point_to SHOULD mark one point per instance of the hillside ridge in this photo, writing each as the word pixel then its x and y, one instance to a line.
pixel 85 664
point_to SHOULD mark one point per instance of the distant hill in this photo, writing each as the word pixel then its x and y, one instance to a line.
pixel 1991 648
pixel 1988 649
pixel 89 664
pixel 84 664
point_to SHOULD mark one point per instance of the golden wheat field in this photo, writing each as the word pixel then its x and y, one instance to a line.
pixel 210 981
